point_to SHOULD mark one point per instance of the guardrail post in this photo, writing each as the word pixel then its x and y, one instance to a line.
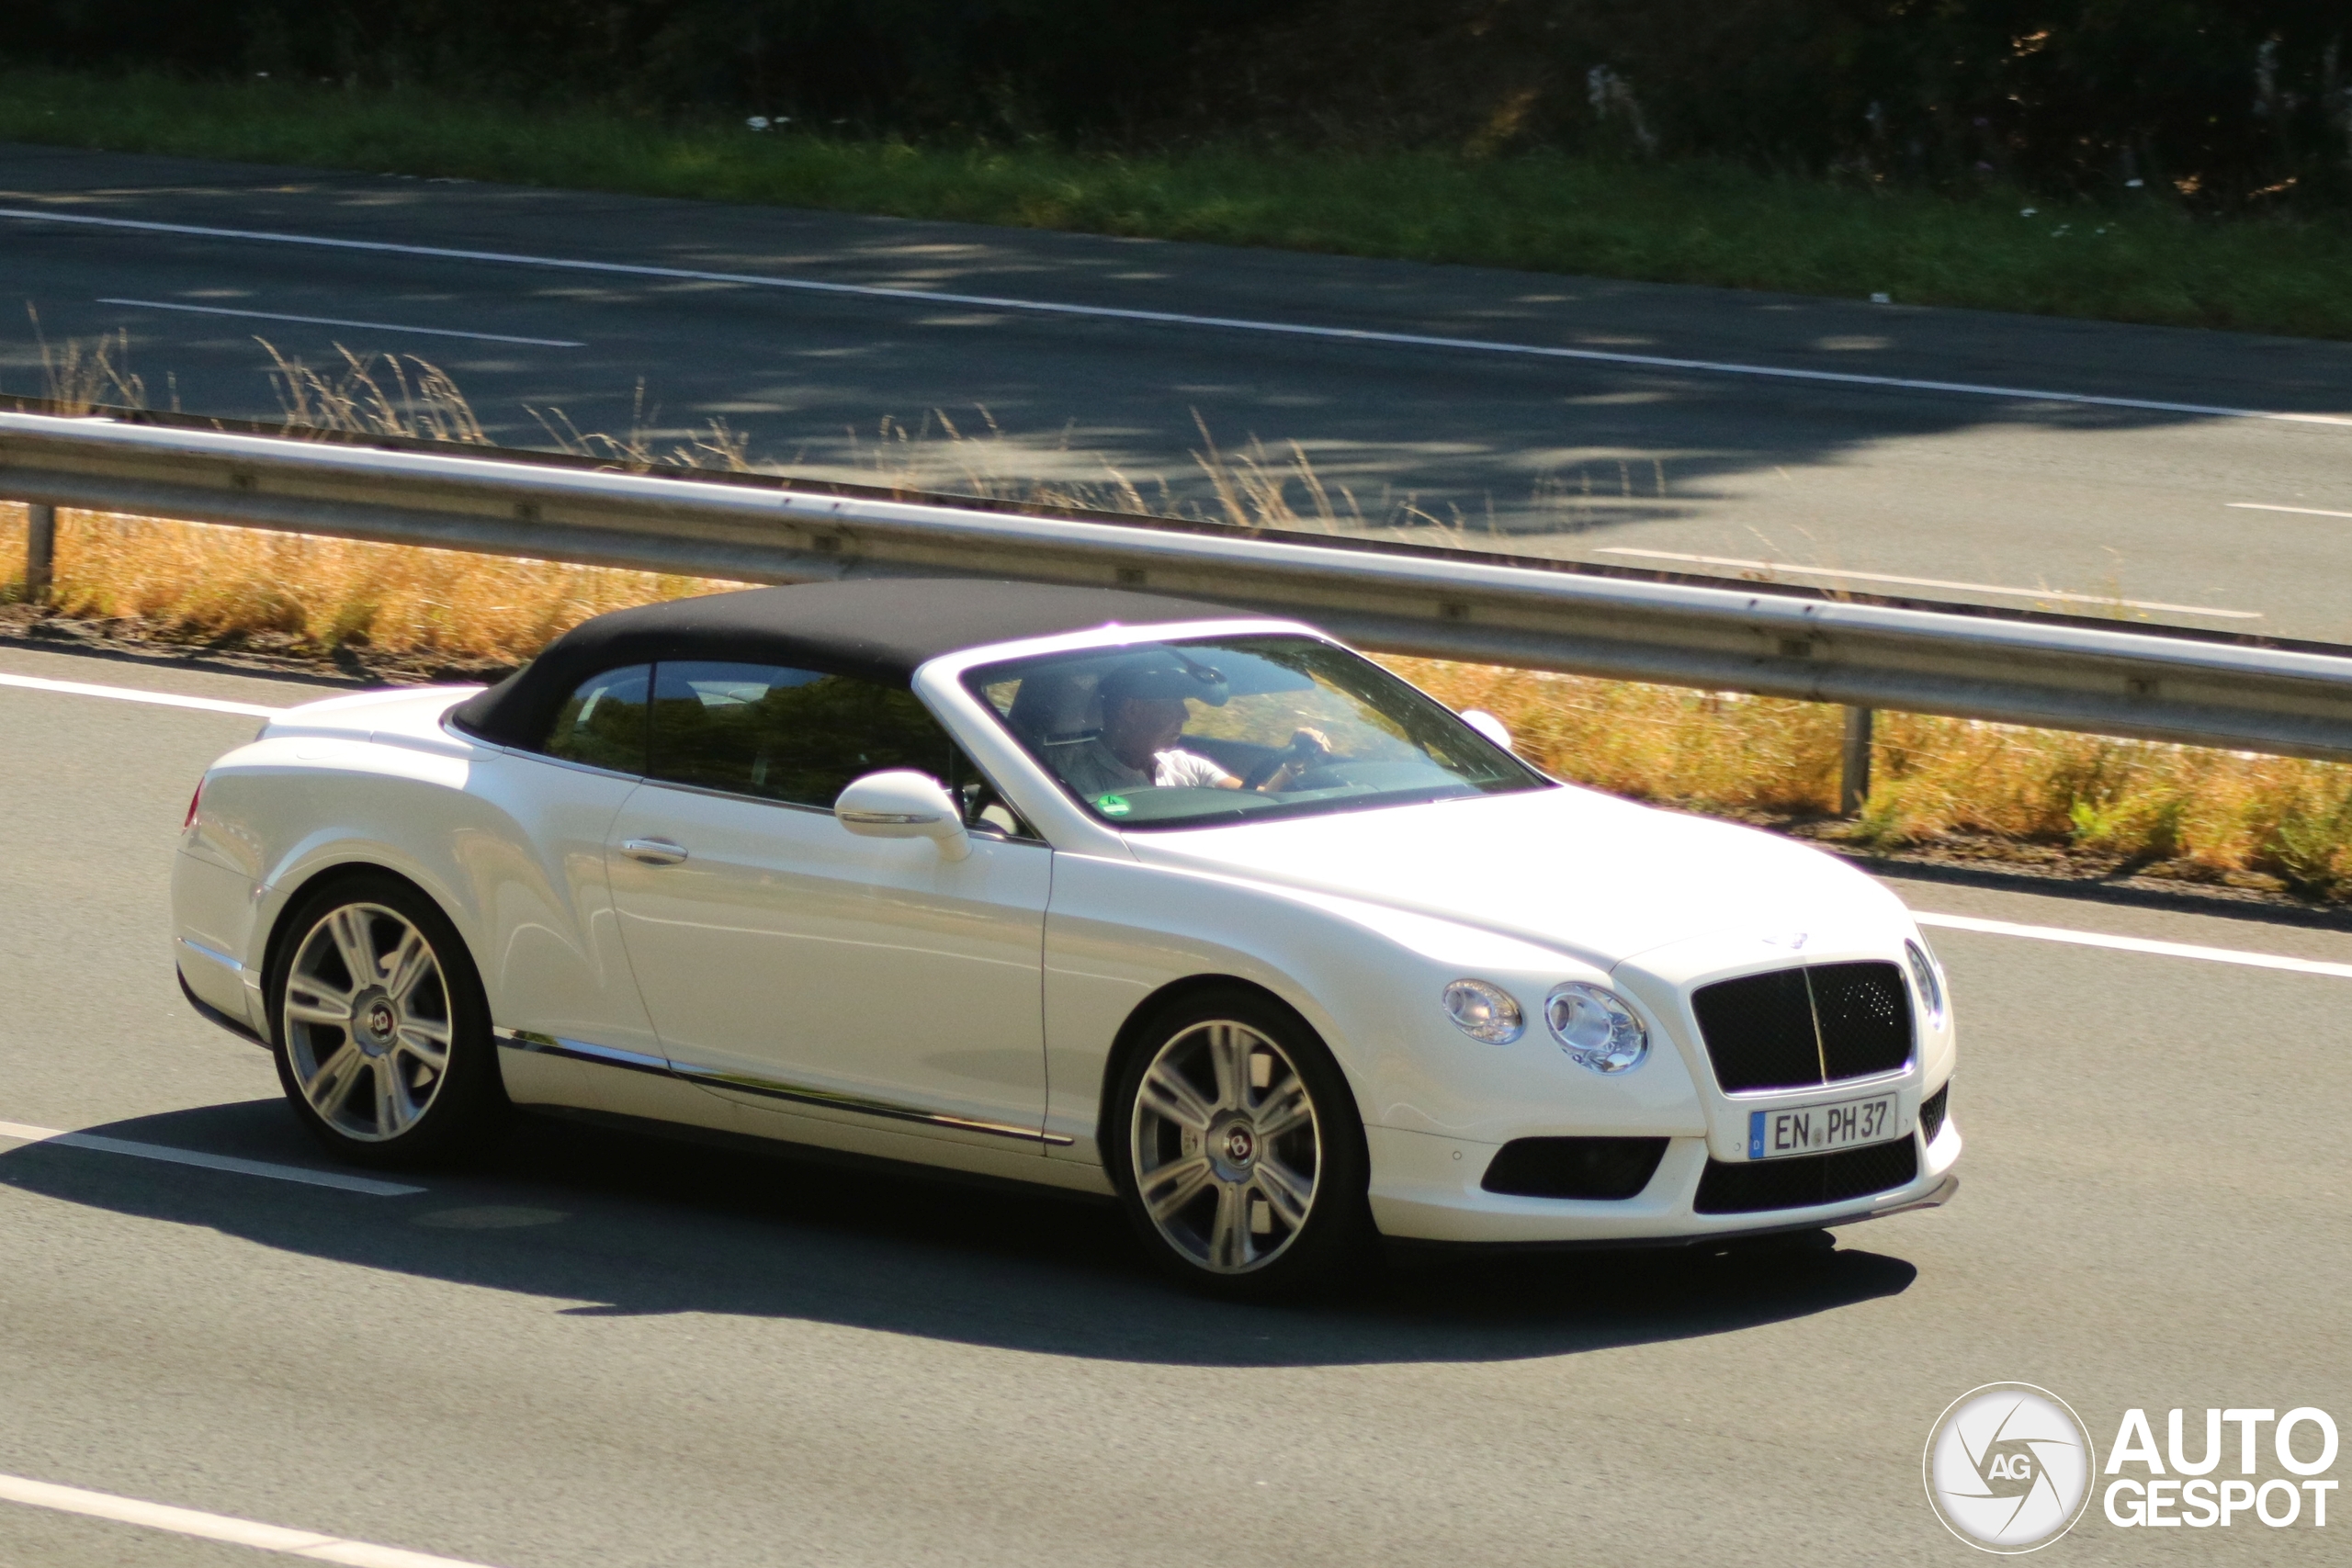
pixel 1854 766
pixel 40 552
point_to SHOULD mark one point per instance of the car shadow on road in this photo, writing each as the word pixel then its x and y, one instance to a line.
pixel 614 1223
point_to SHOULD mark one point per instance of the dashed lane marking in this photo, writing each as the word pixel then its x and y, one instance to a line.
pixel 2139 944
pixel 1172 318
pixel 317 1547
pixel 102 1145
pixel 132 694
pixel 339 321
pixel 2304 510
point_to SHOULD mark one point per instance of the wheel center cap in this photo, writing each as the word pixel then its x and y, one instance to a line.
pixel 376 1024
pixel 1240 1144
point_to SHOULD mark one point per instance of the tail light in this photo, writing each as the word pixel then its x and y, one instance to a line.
pixel 193 802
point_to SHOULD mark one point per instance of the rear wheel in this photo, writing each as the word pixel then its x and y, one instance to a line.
pixel 382 1032
pixel 1239 1156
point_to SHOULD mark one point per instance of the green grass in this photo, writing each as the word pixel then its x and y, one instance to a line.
pixel 1688 222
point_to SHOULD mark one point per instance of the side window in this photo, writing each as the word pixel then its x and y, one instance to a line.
pixel 603 723
pixel 784 734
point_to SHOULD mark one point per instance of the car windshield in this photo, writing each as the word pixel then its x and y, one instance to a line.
pixel 1221 729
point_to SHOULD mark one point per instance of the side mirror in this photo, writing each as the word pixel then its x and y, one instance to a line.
pixel 1490 726
pixel 903 804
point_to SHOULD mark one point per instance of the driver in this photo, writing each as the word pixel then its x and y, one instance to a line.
pixel 1143 725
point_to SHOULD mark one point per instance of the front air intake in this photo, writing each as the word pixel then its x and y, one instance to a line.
pixel 1574 1167
pixel 1801 1028
pixel 1804 1181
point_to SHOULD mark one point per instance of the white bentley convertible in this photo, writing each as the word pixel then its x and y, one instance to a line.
pixel 1099 890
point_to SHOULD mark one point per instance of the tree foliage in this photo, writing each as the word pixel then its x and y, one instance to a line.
pixel 2225 102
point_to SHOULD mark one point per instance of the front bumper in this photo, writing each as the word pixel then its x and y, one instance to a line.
pixel 1426 1187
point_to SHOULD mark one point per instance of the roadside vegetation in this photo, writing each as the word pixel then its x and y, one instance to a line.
pixel 2080 804
pixel 2118 254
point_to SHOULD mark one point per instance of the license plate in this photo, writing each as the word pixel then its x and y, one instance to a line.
pixel 1816 1129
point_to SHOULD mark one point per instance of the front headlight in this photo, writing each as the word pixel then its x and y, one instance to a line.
pixel 1484 1011
pixel 1596 1027
pixel 1930 982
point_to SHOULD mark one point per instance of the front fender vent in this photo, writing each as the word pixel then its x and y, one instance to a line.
pixel 1799 1028
pixel 1574 1167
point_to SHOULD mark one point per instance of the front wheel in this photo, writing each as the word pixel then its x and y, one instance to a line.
pixel 382 1032
pixel 1238 1152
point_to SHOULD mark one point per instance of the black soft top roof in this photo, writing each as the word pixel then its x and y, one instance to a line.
pixel 880 630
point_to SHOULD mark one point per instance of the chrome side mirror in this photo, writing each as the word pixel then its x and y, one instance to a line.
pixel 903 804
pixel 1490 726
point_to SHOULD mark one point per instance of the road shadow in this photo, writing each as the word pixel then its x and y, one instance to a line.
pixel 616 1223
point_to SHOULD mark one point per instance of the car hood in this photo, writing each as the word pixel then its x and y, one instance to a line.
pixel 1566 868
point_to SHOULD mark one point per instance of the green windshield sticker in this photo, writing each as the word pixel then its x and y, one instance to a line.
pixel 1113 805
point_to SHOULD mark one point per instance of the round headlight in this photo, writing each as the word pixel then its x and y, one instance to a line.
pixel 1484 1011
pixel 1929 983
pixel 1596 1027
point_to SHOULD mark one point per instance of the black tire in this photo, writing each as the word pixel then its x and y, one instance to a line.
pixel 420 1110
pixel 1212 1184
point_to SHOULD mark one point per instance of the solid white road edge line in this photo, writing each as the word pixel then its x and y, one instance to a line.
pixel 131 694
pixel 1928 582
pixel 1170 318
pixel 336 1179
pixel 216 1527
pixel 2265 506
pixel 2139 944
pixel 338 322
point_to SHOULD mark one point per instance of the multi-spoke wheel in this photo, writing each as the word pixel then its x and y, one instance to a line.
pixel 381 1032
pixel 1242 1159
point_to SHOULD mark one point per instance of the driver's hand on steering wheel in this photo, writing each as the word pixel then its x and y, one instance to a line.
pixel 1309 748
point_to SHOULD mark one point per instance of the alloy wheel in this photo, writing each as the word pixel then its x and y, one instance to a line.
pixel 367 1024
pixel 1228 1146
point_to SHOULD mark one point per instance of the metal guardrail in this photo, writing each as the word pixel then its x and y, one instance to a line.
pixel 2052 671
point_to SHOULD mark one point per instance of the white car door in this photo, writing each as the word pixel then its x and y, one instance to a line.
pixel 791 965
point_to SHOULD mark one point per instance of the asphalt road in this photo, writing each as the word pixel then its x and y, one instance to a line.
pixel 2010 500
pixel 602 1350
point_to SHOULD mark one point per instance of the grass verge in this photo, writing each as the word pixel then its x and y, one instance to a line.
pixel 1680 222
pixel 2095 805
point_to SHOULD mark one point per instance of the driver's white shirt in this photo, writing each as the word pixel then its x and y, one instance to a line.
pixel 1180 769
pixel 1094 770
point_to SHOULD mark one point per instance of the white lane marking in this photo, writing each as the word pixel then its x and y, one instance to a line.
pixel 336 1179
pixel 2140 944
pixel 2302 511
pixel 216 1527
pixel 132 694
pixel 1931 583
pixel 1172 318
pixel 338 322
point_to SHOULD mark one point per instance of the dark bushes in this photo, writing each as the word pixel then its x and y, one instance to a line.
pixel 2216 102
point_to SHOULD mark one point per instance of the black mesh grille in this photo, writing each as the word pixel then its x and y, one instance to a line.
pixel 1760 1031
pixel 1574 1167
pixel 1745 1187
pixel 1932 1113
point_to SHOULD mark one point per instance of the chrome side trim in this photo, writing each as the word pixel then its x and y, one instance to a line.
pixel 832 1099
pixel 223 959
pixel 581 1051
pixel 798 1094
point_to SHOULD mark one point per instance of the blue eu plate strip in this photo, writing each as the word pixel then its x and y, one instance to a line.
pixel 1756 1135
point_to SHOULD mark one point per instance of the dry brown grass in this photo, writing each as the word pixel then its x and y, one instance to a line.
pixel 2181 811
pixel 250 586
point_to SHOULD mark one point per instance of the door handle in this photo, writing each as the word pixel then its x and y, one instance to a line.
pixel 653 852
